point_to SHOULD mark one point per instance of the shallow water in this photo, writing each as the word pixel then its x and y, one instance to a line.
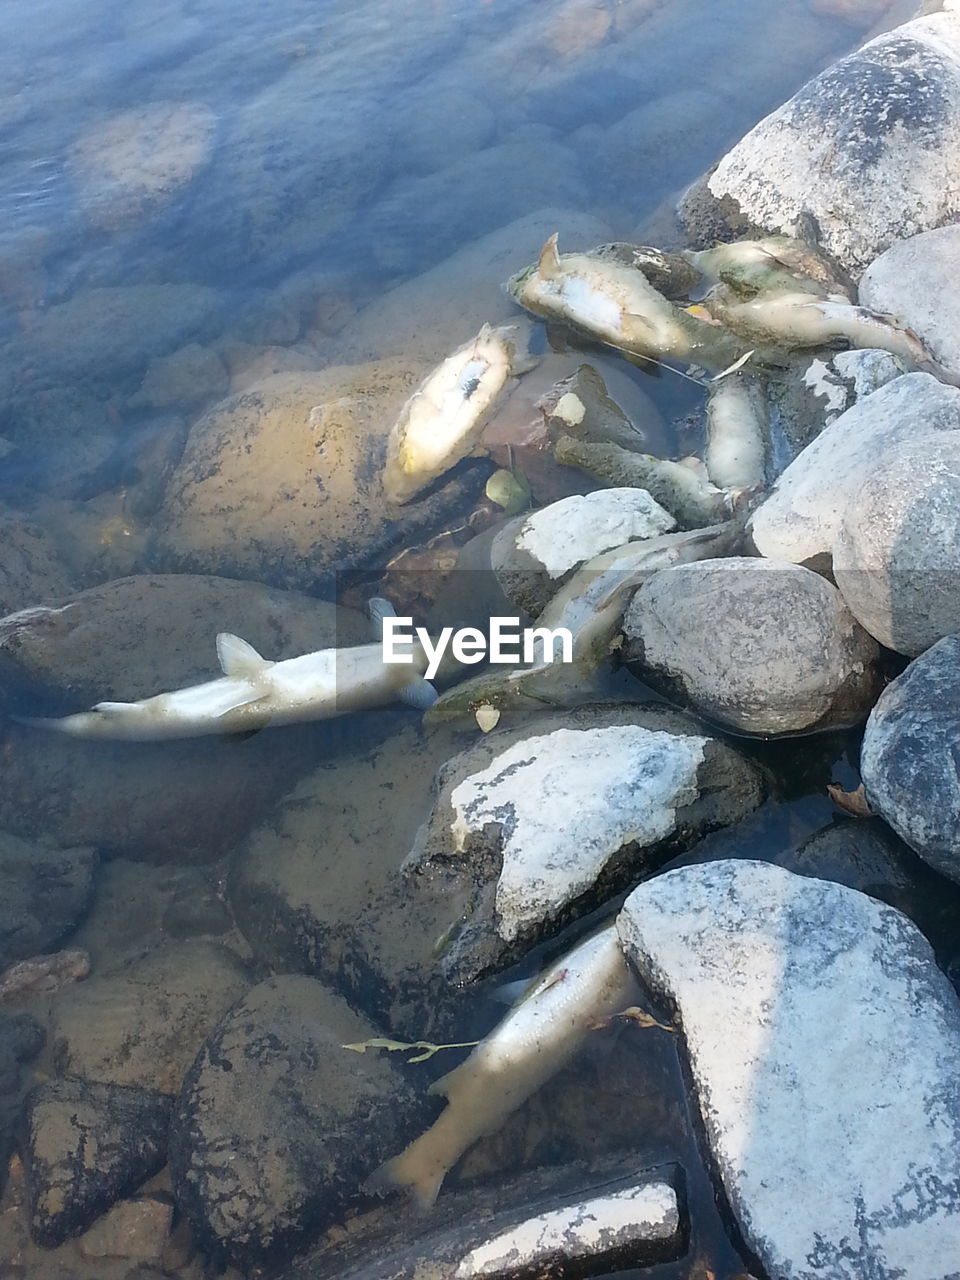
pixel 241 181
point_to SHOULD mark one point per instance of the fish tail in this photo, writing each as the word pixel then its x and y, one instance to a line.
pixel 402 1174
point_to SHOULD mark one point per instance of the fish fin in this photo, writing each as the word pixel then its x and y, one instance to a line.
pixel 420 694
pixel 379 608
pixel 243 698
pixel 511 992
pixel 549 261
pixel 390 1177
pixel 238 659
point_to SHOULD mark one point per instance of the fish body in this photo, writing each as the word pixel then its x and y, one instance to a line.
pixel 254 693
pixel 444 418
pixel 736 433
pixel 537 1037
pixel 771 264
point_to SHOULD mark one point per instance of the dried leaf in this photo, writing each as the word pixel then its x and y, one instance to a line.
pixel 488 717
pixel 852 802
pixel 737 364
pixel 425 1048
pixel 643 1019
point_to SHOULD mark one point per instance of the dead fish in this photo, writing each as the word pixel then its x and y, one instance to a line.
pixel 770 264
pixel 538 1036
pixel 444 418
pixel 736 433
pixel 254 692
pixel 616 304
pixel 42 975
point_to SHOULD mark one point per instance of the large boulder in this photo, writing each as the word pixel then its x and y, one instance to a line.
pixel 909 758
pixel 32 569
pixel 758 646
pixel 824 1049
pixel 277 1124
pixel 283 483
pixel 868 148
pixel 44 893
pixel 800 518
pixel 896 557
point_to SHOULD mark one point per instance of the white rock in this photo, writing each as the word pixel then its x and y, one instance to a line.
pixel 915 280
pixel 870 148
pixel 801 516
pixel 575 529
pixel 570 800
pixel 824 1047
pixel 578 1232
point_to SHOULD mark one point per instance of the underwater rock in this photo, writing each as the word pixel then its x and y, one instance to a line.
pixel 896 556
pixel 868 148
pixel 142 1025
pixel 582 1218
pixel 533 828
pixel 799 998
pixel 21 1039
pixel 909 756
pixel 755 645
pixel 534 555
pixel 185 376
pixel 277 1124
pixel 44 893
pixel 428 317
pixel 84 1147
pixel 32 570
pixel 801 516
pixel 436 130
pixel 283 483
pixel 135 1230
pixel 914 280
pixel 129 165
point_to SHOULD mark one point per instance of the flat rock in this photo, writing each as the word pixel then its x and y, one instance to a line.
pixel 795 997
pixel 134 1229
pixel 144 1024
pixel 85 1146
pixel 759 646
pixel 868 148
pixel 44 894
pixel 283 482
pixel 909 758
pixel 801 516
pixel 913 280
pixel 896 557
pixel 277 1124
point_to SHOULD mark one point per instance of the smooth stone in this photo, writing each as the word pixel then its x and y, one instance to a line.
pixel 283 483
pixel 184 377
pixel 802 514
pixel 44 894
pixel 755 645
pixel 438 130
pixel 913 280
pixel 908 759
pixel 32 569
pixel 896 556
pixel 868 148
pixel 134 1229
pixel 277 1124
pixel 143 1025
pixel 800 998
pixel 85 1146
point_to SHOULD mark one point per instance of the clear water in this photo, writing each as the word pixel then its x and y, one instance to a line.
pixel 247 177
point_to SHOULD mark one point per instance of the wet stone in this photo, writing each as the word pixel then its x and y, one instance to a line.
pixel 135 1229
pixel 44 893
pixel 278 1125
pixel 802 998
pixel 21 1039
pixel 67 1120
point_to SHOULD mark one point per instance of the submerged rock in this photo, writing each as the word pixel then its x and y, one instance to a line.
pixel 868 148
pixel 283 483
pixel 32 569
pixel 135 1230
pixel 758 645
pixel 278 1124
pixel 800 998
pixel 896 557
pixel 85 1146
pixel 44 894
pixel 801 516
pixel 143 1025
pixel 915 281
pixel 21 1039
pixel 909 757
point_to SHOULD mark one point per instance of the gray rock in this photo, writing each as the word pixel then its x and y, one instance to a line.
pixel 611 1215
pixel 283 482
pixel 796 998
pixel 909 759
pixel 44 893
pixel 913 280
pixel 21 1039
pixel 143 1025
pixel 896 556
pixel 185 376
pixel 800 518
pixel 760 646
pixel 84 1147
pixel 32 569
pixel 436 130
pixel 277 1124
pixel 868 148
